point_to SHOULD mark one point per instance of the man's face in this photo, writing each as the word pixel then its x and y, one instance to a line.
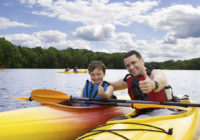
pixel 134 65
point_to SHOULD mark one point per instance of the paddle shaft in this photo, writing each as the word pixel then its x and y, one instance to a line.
pixel 137 101
pixel 100 103
pixel 46 95
pixel 133 105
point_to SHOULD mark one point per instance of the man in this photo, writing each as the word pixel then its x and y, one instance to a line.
pixel 143 83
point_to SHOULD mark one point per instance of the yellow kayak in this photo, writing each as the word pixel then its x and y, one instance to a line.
pixel 54 121
pixel 182 125
pixel 80 71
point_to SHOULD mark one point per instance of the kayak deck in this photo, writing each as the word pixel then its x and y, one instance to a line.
pixel 84 71
pixel 181 126
pixel 54 121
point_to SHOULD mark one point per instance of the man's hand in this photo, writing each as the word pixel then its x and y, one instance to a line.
pixel 146 85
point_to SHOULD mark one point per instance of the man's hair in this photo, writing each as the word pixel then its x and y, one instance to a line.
pixel 133 52
pixel 96 64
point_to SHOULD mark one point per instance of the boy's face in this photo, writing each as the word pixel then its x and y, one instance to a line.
pixel 97 76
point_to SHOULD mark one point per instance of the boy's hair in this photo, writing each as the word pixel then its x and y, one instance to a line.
pixel 96 64
pixel 133 52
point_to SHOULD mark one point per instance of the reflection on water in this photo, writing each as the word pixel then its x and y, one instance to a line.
pixel 185 82
pixel 20 82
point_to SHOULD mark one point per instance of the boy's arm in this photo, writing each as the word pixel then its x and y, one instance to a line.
pixel 107 94
pixel 82 93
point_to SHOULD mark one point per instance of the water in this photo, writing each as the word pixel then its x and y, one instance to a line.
pixel 20 82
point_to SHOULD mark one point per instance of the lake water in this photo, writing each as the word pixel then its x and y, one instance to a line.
pixel 20 82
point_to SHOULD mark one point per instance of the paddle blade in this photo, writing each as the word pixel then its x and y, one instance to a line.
pixel 141 106
pixel 47 95
pixel 21 98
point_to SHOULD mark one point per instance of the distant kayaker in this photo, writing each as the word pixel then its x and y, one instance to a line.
pixel 97 88
pixel 75 69
pixel 67 69
pixel 143 83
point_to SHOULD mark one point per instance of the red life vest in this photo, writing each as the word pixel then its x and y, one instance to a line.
pixel 152 96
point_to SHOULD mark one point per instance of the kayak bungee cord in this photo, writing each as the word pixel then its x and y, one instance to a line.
pixel 113 131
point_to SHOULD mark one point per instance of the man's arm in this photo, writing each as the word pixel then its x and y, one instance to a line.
pixel 119 84
pixel 160 77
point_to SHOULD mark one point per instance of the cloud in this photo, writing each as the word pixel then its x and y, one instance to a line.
pixel 182 21
pixel 30 2
pixel 50 36
pixel 157 54
pixel 158 51
pixel 93 11
pixel 123 41
pixel 102 21
pixel 8 4
pixel 169 38
pixel 23 40
pixel 6 23
pixel 118 41
pixel 95 32
pixel 47 39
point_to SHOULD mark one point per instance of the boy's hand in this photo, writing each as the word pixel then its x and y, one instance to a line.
pixel 101 89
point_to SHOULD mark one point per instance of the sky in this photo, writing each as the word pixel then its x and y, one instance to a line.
pixel 160 30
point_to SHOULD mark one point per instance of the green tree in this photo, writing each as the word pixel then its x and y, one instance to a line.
pixel 12 56
pixel 51 59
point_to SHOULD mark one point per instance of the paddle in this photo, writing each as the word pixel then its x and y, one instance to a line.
pixel 133 105
pixel 53 96
pixel 21 98
pixel 47 95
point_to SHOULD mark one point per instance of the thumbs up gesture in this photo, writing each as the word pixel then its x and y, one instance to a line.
pixel 101 89
pixel 146 85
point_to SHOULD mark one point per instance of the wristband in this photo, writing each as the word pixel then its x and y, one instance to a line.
pixel 156 85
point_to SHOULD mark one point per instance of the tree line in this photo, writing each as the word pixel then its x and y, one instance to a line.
pixel 12 56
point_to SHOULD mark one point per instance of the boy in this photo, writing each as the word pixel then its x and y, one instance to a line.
pixel 97 88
